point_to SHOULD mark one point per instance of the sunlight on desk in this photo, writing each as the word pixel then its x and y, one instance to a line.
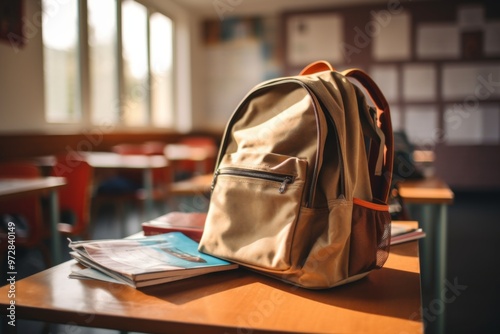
pixel 386 301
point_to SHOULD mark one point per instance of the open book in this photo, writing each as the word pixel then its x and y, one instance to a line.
pixel 144 261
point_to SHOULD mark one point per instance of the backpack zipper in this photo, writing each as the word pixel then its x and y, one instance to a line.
pixel 284 180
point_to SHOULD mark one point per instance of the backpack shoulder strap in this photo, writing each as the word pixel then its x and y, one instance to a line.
pixel 382 151
pixel 381 181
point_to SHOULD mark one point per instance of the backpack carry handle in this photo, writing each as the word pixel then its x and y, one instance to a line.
pixel 317 66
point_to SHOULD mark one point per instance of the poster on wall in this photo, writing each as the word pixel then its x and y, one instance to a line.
pixel 11 27
pixel 313 37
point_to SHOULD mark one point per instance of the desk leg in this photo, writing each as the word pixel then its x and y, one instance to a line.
pixel 54 221
pixel 433 251
pixel 426 223
pixel 200 167
pixel 148 188
pixel 440 269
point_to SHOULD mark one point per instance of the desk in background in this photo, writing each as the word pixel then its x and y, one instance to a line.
pixel 386 301
pixel 182 155
pixel 430 193
pixel 11 188
pixel 111 160
pixel 193 187
pixel 107 160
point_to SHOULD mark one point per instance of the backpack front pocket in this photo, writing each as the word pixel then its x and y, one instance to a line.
pixel 254 206
pixel 281 179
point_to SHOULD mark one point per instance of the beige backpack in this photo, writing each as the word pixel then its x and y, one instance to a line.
pixel 302 180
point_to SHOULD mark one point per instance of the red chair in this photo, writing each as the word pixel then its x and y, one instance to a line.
pixel 75 197
pixel 26 209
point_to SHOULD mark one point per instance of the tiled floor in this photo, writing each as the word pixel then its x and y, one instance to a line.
pixel 473 262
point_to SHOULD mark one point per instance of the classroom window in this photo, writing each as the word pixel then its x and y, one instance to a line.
pixel 162 96
pixel 61 66
pixel 129 86
pixel 135 63
pixel 103 67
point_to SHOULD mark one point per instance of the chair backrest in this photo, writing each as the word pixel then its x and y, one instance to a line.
pixel 28 207
pixel 75 197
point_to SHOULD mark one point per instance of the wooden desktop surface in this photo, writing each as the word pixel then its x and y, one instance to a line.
pixel 196 185
pixel 430 190
pixel 11 187
pixel 115 160
pixel 386 301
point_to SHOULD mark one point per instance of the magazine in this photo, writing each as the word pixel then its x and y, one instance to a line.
pixel 145 261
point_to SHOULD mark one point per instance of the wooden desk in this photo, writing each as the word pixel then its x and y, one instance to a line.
pixel 108 160
pixel 195 185
pixel 430 193
pixel 176 153
pixel 430 190
pixel 197 191
pixel 11 188
pixel 386 301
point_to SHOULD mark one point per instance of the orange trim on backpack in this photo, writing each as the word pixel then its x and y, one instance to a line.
pixel 317 66
pixel 370 205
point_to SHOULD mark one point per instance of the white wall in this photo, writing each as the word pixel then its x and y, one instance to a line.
pixel 21 78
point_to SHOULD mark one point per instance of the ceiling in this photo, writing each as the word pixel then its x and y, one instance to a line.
pixel 246 7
